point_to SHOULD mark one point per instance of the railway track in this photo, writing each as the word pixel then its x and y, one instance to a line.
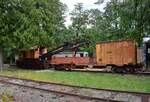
pixel 92 94
pixel 38 85
pixel 108 72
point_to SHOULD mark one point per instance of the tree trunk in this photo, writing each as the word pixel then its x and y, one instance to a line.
pixel 1 58
pixel 16 58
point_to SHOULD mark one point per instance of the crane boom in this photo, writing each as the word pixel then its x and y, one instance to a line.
pixel 65 46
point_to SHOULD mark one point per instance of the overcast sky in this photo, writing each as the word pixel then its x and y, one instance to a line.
pixel 87 4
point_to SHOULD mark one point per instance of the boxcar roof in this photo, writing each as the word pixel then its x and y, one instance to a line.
pixel 113 41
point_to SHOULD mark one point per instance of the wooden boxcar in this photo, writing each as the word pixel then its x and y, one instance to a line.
pixel 117 54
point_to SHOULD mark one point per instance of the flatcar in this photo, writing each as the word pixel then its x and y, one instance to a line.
pixel 69 60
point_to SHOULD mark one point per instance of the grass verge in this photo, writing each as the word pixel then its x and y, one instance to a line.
pixel 94 80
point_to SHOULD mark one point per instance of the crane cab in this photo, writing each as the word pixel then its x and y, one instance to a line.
pixel 32 53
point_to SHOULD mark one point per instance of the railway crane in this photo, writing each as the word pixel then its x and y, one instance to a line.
pixel 44 61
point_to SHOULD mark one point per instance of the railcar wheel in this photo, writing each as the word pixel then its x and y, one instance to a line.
pixel 46 66
pixel 119 70
pixel 113 69
pixel 130 69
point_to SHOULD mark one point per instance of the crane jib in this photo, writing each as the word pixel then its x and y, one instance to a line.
pixel 65 46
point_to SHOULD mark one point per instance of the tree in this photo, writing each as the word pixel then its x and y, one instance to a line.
pixel 26 23
pixel 97 30
pixel 79 19
pixel 127 19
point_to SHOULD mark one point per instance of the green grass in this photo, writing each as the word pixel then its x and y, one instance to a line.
pixel 95 80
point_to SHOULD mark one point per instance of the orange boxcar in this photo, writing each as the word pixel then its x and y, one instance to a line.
pixel 116 53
